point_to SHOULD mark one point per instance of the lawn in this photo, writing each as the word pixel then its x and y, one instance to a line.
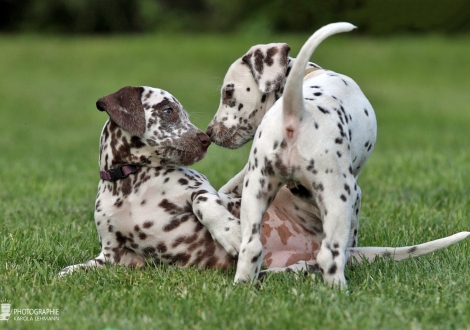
pixel 416 185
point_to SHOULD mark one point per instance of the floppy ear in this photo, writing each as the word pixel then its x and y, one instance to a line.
pixel 125 108
pixel 268 64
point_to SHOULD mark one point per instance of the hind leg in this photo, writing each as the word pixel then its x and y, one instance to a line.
pixel 337 197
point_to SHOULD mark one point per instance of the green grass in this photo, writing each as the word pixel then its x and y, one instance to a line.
pixel 416 185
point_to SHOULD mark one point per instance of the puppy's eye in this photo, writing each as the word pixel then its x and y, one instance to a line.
pixel 168 111
pixel 229 93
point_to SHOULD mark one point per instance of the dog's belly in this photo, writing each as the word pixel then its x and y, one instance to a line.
pixel 291 231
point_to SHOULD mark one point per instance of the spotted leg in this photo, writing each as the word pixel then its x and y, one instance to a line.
pixel 222 225
pixel 258 193
pixel 337 208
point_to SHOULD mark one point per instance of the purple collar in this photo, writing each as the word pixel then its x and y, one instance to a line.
pixel 119 172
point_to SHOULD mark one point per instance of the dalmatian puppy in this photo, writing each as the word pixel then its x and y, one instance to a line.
pixel 148 205
pixel 313 142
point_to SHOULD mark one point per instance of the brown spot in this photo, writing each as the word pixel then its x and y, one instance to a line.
pixel 269 55
pixel 182 258
pixel 148 251
pixel 174 223
pixel 315 248
pixel 266 229
pixel 284 233
pixel 168 206
pixel 183 181
pixel 332 269
pixel 412 249
pixel 267 258
pixel 296 257
pixel 211 262
pixel 259 57
pixel 161 248
pixel 148 224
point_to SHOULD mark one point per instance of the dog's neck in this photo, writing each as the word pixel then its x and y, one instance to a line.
pixel 118 147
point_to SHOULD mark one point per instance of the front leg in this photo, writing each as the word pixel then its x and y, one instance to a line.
pixel 99 261
pixel 258 194
pixel 223 226
pixel 110 255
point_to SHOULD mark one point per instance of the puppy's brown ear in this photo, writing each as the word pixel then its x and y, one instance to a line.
pixel 125 108
pixel 268 64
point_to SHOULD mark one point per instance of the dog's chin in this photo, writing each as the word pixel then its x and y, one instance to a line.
pixel 231 138
pixel 229 144
pixel 178 157
pixel 234 141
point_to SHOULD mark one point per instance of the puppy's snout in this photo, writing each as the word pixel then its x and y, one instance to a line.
pixel 204 139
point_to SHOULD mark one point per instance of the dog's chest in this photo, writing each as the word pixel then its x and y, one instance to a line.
pixel 146 210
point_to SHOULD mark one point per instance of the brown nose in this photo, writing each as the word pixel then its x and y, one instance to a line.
pixel 204 139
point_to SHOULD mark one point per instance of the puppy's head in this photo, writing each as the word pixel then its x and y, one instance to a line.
pixel 149 126
pixel 249 83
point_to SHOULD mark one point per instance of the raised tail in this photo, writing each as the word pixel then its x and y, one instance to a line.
pixel 359 254
pixel 293 99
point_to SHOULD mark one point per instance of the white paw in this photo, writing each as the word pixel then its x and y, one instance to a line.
pixel 229 236
pixel 249 261
pixel 67 270
pixel 335 281
pixel 245 274
pixel 332 268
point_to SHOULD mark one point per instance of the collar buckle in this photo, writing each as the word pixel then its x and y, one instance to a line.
pixel 119 172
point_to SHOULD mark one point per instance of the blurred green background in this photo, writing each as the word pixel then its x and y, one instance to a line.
pixel 378 17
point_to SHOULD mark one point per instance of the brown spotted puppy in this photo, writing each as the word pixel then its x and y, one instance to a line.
pixel 148 205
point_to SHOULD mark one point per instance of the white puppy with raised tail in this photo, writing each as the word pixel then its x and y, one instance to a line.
pixel 315 140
